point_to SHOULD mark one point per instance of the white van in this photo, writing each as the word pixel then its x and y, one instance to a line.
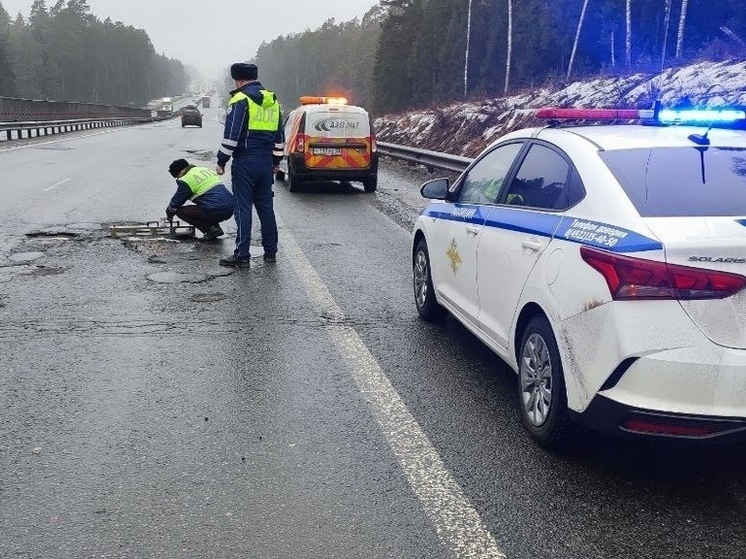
pixel 327 139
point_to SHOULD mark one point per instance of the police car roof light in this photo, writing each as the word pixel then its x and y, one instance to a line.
pixel 594 114
pixel 700 115
pixel 663 116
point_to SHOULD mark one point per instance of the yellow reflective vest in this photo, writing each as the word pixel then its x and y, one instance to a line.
pixel 264 117
pixel 200 180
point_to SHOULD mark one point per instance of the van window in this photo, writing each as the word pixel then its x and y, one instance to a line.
pixel 336 122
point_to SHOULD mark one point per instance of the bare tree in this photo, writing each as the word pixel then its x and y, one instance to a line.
pixel 577 37
pixel 731 35
pixel 680 34
pixel 666 25
pixel 466 57
pixel 510 45
pixel 628 37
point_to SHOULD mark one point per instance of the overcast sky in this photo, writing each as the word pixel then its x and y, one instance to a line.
pixel 212 34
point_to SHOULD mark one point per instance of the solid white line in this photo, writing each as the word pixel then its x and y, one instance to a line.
pixel 55 185
pixel 55 141
pixel 456 521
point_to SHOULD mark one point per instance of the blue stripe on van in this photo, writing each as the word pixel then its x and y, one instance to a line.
pixel 576 230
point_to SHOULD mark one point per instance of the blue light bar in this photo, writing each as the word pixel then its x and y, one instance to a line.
pixel 700 115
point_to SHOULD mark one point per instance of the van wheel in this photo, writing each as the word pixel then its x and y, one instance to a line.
pixel 370 184
pixel 293 181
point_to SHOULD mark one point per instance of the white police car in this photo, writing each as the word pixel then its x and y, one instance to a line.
pixel 606 265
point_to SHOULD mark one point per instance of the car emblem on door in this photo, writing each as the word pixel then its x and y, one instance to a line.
pixel 454 256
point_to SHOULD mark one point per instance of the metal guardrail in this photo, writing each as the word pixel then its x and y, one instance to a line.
pixel 428 158
pixel 425 157
pixel 30 129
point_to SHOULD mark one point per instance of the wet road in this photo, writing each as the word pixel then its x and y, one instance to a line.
pixel 157 405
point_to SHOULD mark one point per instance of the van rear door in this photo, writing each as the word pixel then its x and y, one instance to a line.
pixel 338 137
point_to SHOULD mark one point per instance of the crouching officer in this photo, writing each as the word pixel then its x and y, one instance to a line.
pixel 213 202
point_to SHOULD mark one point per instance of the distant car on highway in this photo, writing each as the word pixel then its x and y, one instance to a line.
pixel 191 116
pixel 605 264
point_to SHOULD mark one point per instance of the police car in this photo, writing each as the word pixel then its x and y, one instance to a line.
pixel 606 264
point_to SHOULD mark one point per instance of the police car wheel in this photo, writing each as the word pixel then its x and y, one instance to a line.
pixel 542 396
pixel 370 184
pixel 424 292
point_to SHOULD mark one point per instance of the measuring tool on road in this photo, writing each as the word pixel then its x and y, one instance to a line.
pixel 162 228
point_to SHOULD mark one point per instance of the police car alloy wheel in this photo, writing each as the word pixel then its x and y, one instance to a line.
pixel 424 293
pixel 541 386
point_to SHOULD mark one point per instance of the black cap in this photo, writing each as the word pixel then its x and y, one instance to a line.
pixel 177 167
pixel 243 71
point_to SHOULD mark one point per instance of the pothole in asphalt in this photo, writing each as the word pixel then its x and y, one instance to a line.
pixel 202 155
pixel 205 297
pixel 176 277
pixel 59 235
pixel 42 271
pixel 23 257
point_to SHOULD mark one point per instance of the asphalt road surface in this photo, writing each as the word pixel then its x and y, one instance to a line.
pixel 157 405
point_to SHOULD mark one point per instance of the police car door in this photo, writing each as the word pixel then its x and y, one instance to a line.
pixel 516 233
pixel 456 236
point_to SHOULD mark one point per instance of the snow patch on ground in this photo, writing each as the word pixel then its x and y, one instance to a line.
pixel 467 128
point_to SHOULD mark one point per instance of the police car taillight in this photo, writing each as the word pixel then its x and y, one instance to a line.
pixel 636 278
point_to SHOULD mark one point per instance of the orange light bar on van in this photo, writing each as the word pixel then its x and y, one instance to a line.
pixel 318 100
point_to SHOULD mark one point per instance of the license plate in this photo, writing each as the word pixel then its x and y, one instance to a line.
pixel 326 151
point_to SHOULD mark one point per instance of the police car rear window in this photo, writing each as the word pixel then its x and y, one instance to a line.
pixel 682 181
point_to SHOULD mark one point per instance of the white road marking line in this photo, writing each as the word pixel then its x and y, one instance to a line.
pixel 56 141
pixel 55 185
pixel 456 521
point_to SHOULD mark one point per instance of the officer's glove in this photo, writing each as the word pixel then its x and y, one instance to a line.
pixel 170 213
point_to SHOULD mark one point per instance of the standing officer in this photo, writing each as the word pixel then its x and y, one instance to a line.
pixel 213 202
pixel 253 136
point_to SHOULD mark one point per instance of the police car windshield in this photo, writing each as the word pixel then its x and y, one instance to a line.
pixel 682 181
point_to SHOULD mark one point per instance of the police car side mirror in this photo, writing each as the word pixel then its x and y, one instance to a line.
pixel 436 189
